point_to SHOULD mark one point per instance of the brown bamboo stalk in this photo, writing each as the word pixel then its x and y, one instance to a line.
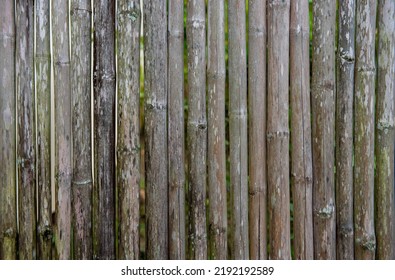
pixel 8 226
pixel 384 176
pixel 80 13
pixel 216 75
pixel 238 127
pixel 62 91
pixel 176 152
pixel 26 152
pixel 197 128
pixel 104 129
pixel 43 93
pixel 365 240
pixel 155 113
pixel 277 129
pixel 128 145
pixel 301 155
pixel 344 131
pixel 323 130
pixel 257 128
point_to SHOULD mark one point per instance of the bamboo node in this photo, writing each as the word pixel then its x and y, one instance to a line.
pixel 82 182
pixel 326 212
pixel 277 134
pixel 385 125
pixel 9 233
pixel 46 233
pixel 368 243
pixel 157 106
pixel 132 14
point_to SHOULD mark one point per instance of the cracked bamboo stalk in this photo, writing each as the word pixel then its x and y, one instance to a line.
pixel 104 129
pixel 384 176
pixel 176 152
pixel 323 128
pixel 63 140
pixel 155 113
pixel 238 128
pixel 365 72
pixel 344 131
pixel 257 128
pixel 80 13
pixel 197 128
pixel 128 142
pixel 43 93
pixel 26 156
pixel 8 226
pixel 277 129
pixel 216 75
pixel 301 156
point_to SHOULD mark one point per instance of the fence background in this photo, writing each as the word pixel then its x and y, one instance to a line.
pixel 197 129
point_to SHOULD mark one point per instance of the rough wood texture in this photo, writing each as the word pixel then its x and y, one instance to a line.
pixel 384 177
pixel 301 154
pixel 128 145
pixel 104 129
pixel 155 112
pixel 43 93
pixel 26 149
pixel 277 130
pixel 197 128
pixel 365 72
pixel 344 131
pixel 216 75
pixel 176 152
pixel 257 128
pixel 81 13
pixel 323 130
pixel 8 226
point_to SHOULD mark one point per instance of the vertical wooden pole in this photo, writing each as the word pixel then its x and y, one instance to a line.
pixel 277 129
pixel 176 151
pixel 257 128
pixel 26 149
pixel 365 72
pixel 128 145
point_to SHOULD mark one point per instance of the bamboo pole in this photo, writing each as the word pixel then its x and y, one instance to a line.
pixel 104 129
pixel 384 176
pixel 197 128
pixel 216 75
pixel 257 128
pixel 344 131
pixel 155 112
pixel 43 93
pixel 277 129
pixel 8 226
pixel 365 240
pixel 26 149
pixel 128 145
pixel 176 151
pixel 301 155
pixel 63 150
pixel 238 127
pixel 323 128
pixel 80 13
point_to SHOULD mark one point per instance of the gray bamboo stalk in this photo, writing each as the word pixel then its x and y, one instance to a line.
pixel 176 152
pixel 216 75
pixel 80 13
pixel 238 127
pixel 104 129
pixel 365 240
pixel 128 145
pixel 197 127
pixel 301 154
pixel 26 152
pixel 344 131
pixel 8 226
pixel 323 130
pixel 257 128
pixel 155 112
pixel 277 129
pixel 62 91
pixel 384 177
pixel 43 93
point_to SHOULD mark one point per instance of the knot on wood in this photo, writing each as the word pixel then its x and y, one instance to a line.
pixel 326 212
pixel 346 56
pixel 298 179
pixel 371 70
pixel 197 23
pixel 126 151
pixel 132 14
pixel 201 125
pixel 46 233
pixel 62 63
pixel 277 135
pixel 156 106
pixel 385 125
pixel 26 163
pixel 368 243
pixel 217 229
pixel 346 231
